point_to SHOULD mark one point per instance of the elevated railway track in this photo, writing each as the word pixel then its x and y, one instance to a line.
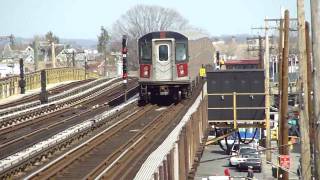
pixel 35 130
pixel 64 102
pixel 54 128
pixel 51 92
pixel 87 123
pixel 27 106
pixel 118 151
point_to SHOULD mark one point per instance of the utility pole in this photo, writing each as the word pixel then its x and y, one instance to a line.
pixel 310 87
pixel 261 53
pixel 52 45
pixel 315 21
pixel 73 53
pixel 105 66
pixel 267 90
pixel 53 55
pixel 303 103
pixel 35 47
pixel 309 82
pixel 260 49
pixel 284 97
pixel 280 46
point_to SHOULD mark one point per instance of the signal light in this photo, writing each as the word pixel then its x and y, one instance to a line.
pixel 124 58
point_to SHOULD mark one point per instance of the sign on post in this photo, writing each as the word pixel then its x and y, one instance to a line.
pixel 285 161
pixel 202 72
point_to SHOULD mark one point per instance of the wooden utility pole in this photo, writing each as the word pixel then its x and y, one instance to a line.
pixel 284 97
pixel 267 90
pixel 53 55
pixel 73 53
pixel 303 102
pixel 315 21
pixel 260 49
pixel 261 53
pixel 105 66
pixel 35 46
pixel 309 81
pixel 309 95
pixel 280 78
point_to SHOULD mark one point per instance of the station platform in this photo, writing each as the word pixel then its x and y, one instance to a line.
pixel 31 92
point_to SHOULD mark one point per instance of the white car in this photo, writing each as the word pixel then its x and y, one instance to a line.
pixel 217 178
pixel 236 158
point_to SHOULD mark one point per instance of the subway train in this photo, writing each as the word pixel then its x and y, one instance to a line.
pixel 163 66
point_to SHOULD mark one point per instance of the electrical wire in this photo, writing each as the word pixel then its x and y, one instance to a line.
pixel 228 147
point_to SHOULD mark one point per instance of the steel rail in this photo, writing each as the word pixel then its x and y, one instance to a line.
pixel 74 154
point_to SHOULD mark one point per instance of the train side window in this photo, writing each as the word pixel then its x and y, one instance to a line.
pixel 163 52
pixel 181 52
pixel 145 52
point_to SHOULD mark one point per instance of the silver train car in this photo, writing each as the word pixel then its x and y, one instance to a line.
pixel 163 66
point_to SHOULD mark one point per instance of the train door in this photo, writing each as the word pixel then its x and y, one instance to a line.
pixel 163 60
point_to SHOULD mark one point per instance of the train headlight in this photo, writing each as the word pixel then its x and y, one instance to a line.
pixel 182 70
pixel 145 71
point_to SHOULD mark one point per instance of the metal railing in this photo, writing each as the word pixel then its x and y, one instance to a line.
pixel 10 85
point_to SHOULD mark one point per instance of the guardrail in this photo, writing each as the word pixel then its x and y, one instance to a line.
pixel 10 85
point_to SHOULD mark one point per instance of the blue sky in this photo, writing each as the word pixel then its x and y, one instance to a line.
pixel 83 18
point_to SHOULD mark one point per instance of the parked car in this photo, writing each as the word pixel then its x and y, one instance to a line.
pixel 217 178
pixel 253 160
pixel 236 147
pixel 247 150
pixel 237 156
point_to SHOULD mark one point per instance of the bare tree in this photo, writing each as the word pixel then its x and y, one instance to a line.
pixel 143 19
pixel 50 37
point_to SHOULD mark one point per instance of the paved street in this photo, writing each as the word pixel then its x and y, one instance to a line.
pixel 214 163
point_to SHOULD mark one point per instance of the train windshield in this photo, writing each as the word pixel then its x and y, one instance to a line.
pixel 163 53
pixel 181 52
pixel 145 53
